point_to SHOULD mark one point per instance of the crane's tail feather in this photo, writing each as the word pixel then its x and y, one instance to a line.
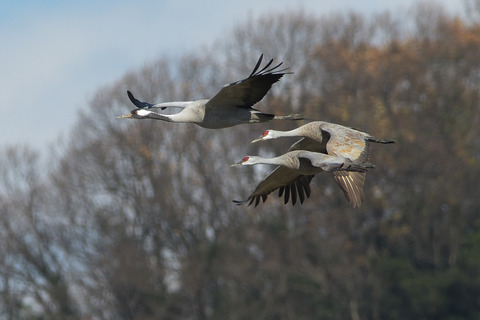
pixel 384 141
pixel 292 116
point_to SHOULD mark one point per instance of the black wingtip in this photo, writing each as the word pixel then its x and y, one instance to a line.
pixel 257 65
pixel 133 99
pixel 238 202
pixel 268 65
pixel 141 104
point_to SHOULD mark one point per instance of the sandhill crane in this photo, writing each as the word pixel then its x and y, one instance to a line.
pixel 299 166
pixel 232 105
pixel 326 138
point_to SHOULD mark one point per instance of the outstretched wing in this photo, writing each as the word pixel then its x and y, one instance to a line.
pixel 289 182
pixel 141 104
pixel 351 144
pixel 351 184
pixel 245 93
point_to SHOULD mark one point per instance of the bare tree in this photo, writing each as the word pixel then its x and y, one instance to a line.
pixel 33 269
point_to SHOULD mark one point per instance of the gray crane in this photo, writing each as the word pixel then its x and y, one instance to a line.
pixel 231 106
pixel 326 138
pixel 300 163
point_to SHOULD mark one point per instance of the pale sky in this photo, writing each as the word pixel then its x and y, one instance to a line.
pixel 55 54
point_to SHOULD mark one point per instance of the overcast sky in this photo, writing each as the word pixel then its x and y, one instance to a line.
pixel 55 54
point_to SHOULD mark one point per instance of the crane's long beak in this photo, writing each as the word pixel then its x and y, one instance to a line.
pixel 236 164
pixel 126 115
pixel 257 139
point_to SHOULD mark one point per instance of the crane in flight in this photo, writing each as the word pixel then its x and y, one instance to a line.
pixel 328 139
pixel 232 105
pixel 298 167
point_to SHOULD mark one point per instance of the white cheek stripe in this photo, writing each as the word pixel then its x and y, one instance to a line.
pixel 143 112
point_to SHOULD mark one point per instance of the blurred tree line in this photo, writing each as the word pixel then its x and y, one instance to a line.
pixel 134 219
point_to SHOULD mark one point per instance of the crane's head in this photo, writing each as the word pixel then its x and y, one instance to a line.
pixel 246 161
pixel 266 135
pixel 137 114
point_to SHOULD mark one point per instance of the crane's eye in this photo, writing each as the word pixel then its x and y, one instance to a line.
pixel 265 133
pixel 245 159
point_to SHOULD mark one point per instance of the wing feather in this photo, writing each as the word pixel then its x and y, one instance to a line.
pixel 293 192
pixel 300 191
pixel 141 104
pixel 245 93
pixel 287 194
pixel 280 191
pixel 257 65
pixel 287 181
pixel 351 184
pixel 306 186
pixel 347 142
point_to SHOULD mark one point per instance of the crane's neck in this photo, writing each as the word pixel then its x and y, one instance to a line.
pixel 192 112
pixel 173 104
pixel 253 160
pixel 279 161
pixel 290 133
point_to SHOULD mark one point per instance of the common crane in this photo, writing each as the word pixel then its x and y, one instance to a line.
pixel 231 106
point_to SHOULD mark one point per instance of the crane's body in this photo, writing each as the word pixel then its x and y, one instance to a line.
pixel 307 162
pixel 329 138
